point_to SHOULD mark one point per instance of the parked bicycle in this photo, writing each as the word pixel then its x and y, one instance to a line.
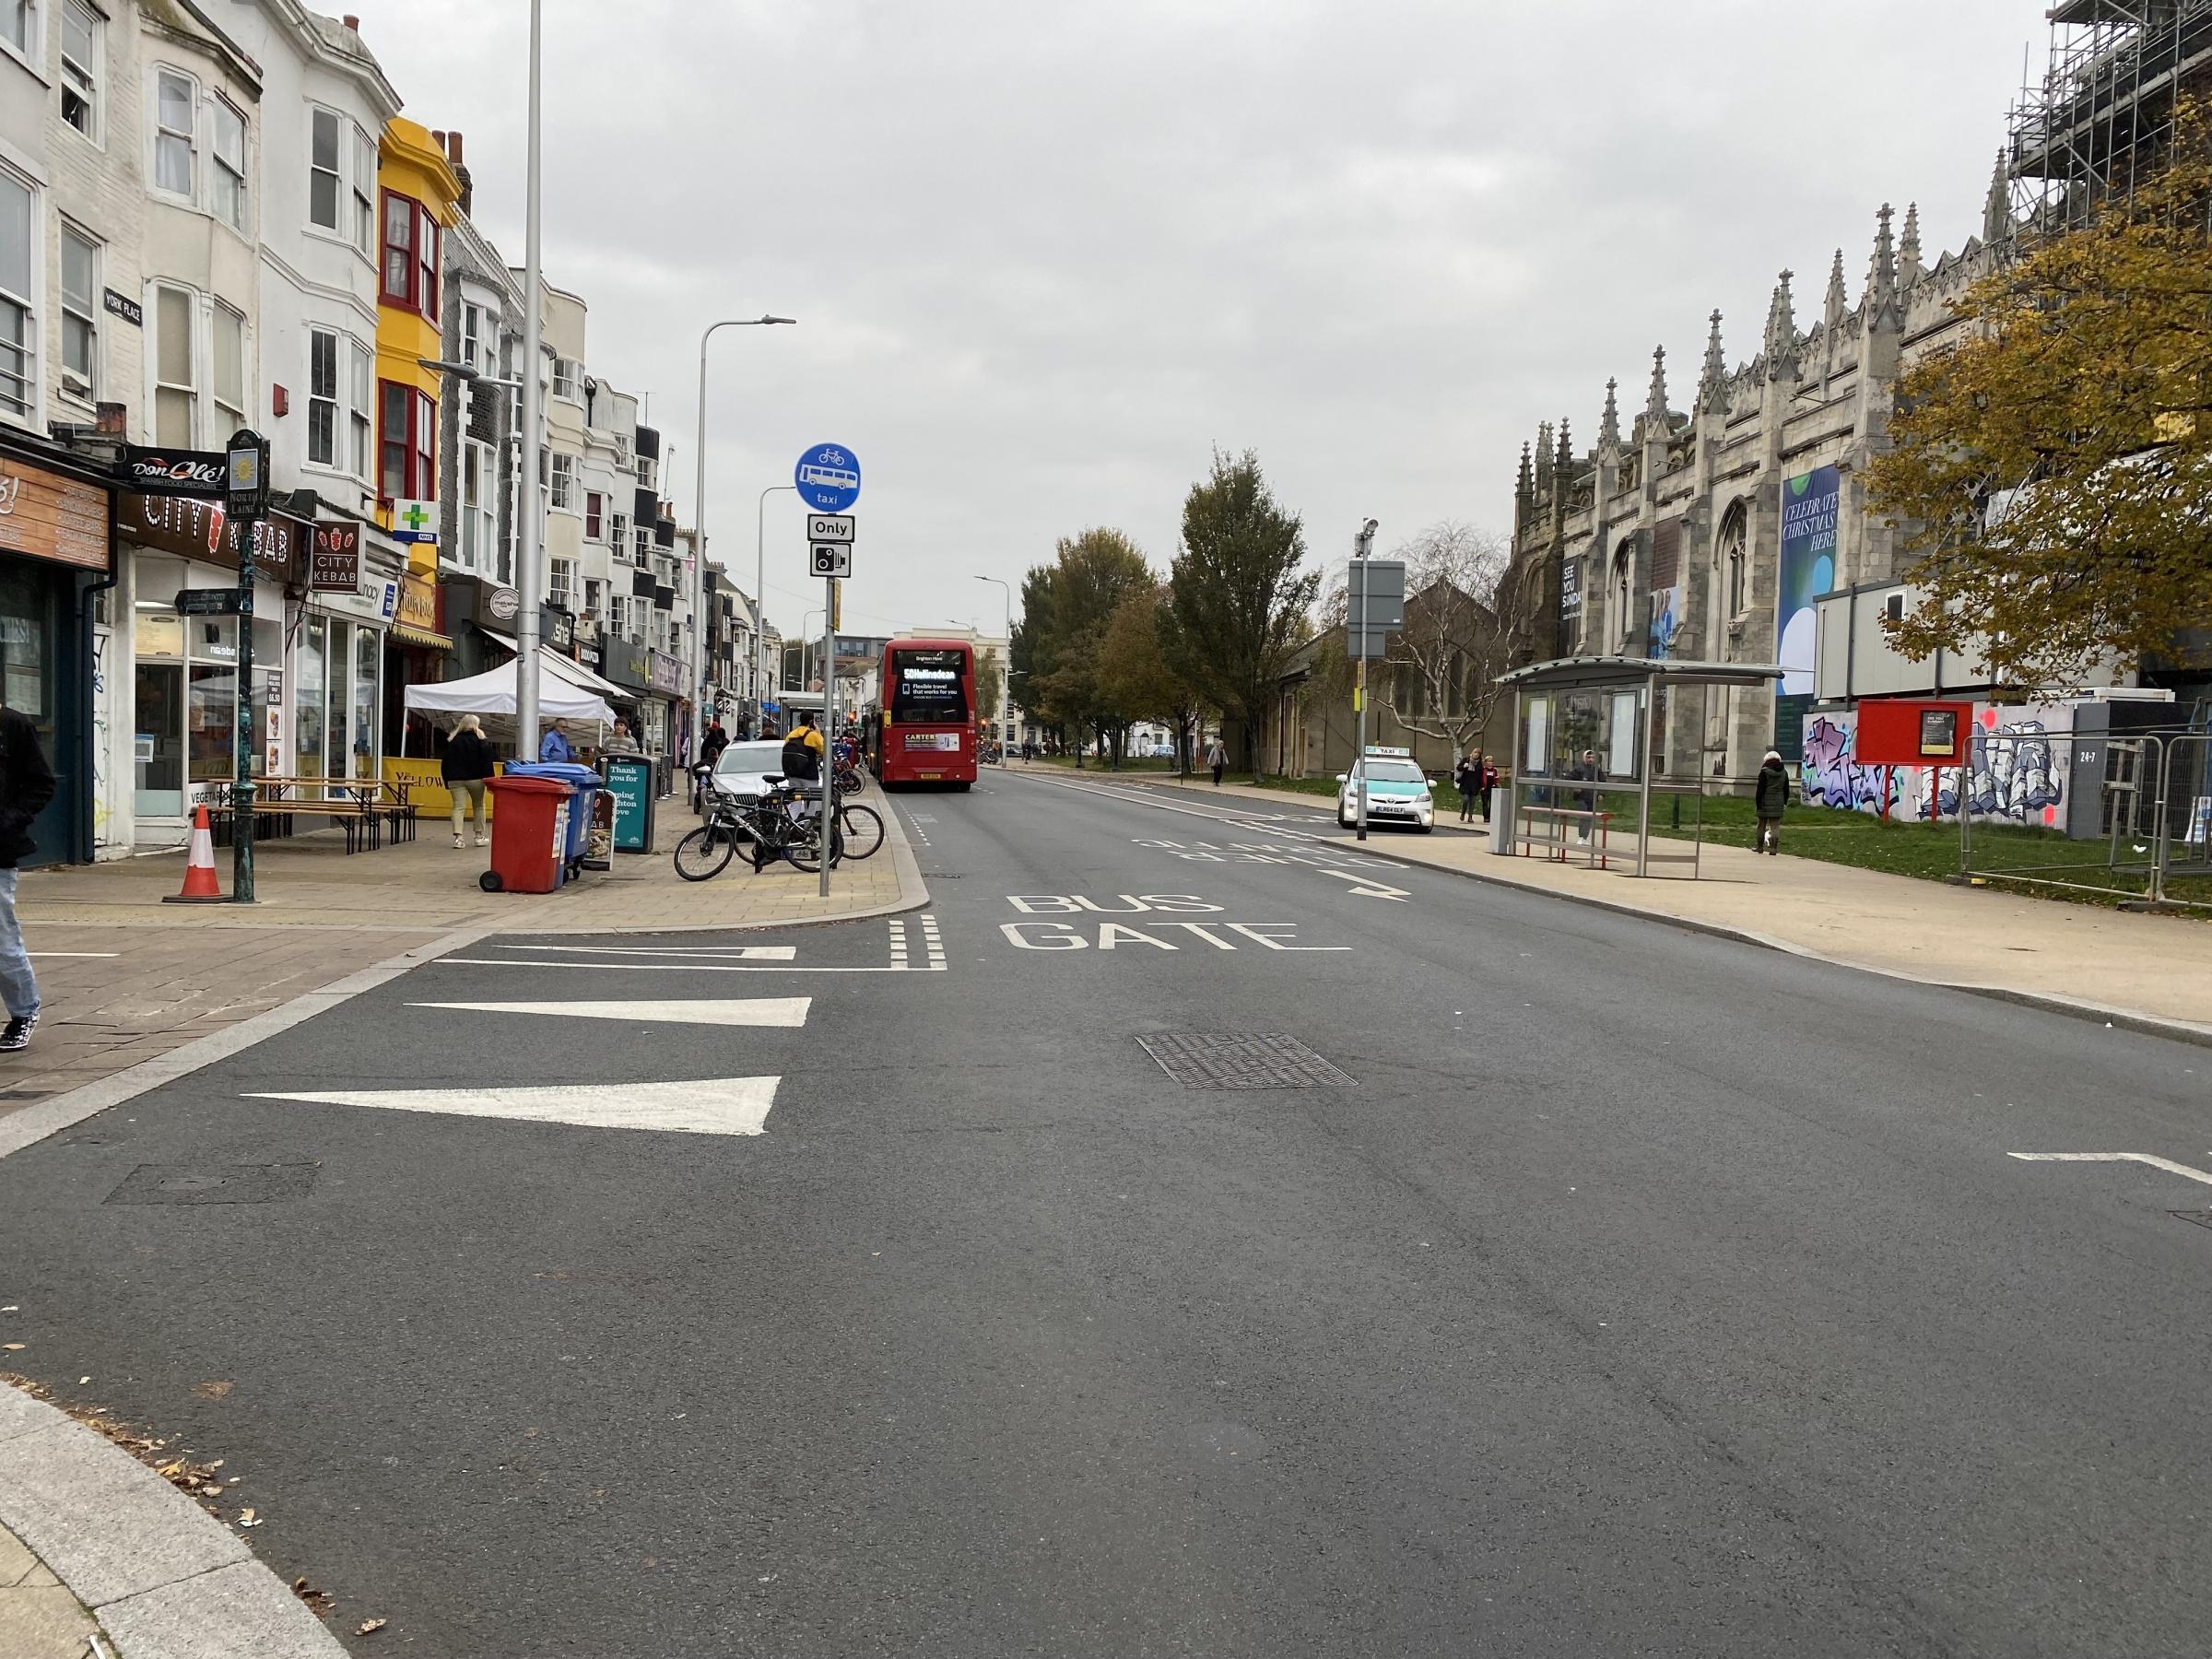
pixel 785 822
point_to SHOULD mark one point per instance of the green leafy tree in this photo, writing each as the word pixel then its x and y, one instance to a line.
pixel 1239 598
pixel 1135 679
pixel 1067 606
pixel 2057 463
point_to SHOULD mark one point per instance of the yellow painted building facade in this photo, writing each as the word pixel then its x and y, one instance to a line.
pixel 418 197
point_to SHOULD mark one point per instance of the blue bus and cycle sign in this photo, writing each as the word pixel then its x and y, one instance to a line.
pixel 829 478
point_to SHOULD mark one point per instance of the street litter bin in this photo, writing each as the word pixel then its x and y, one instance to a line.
pixel 529 834
pixel 585 783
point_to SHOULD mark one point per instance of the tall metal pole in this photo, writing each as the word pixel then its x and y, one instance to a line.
pixel 1363 545
pixel 699 530
pixel 529 584
pixel 761 599
pixel 829 825
pixel 1006 673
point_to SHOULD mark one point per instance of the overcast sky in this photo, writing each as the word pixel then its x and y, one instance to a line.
pixel 1045 256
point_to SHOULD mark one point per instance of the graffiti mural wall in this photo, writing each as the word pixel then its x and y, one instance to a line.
pixel 2021 767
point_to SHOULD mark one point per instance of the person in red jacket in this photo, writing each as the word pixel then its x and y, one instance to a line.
pixel 26 785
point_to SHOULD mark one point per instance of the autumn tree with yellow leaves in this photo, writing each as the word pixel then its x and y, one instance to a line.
pixel 2056 466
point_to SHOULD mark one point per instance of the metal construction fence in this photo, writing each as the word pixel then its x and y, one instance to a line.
pixel 2126 816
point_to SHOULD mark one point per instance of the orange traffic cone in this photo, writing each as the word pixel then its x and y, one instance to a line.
pixel 199 864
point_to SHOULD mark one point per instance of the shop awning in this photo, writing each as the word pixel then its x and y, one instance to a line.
pixel 420 636
pixel 568 668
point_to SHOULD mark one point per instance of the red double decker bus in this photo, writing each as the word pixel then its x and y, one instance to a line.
pixel 925 732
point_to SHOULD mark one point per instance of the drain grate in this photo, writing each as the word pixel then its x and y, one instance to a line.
pixel 1242 1060
pixel 214 1183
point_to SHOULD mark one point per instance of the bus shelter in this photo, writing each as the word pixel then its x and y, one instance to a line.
pixel 1590 748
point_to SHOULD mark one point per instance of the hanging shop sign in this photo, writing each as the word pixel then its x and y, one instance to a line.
pixel 45 515
pixel 174 471
pixel 334 559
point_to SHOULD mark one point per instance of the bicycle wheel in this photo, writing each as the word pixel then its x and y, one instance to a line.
pixel 705 853
pixel 862 828
pixel 804 847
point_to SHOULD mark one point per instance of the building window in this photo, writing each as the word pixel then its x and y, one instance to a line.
pixel 230 175
pixel 1734 555
pixel 618 536
pixel 176 370
pixel 81 69
pixel 364 397
pixel 409 436
pixel 641 547
pixel 229 371
pixel 561 581
pixel 364 193
pixel 478 490
pixel 18 316
pixel 410 255
pixel 325 176
pixel 563 482
pixel 80 313
pixel 176 96
pixel 472 320
pixel 322 397
pixel 564 378
pixel 594 515
pixel 1623 600
pixel 20 27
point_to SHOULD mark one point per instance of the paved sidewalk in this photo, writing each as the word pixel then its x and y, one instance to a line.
pixel 126 978
pixel 39 1618
pixel 2079 956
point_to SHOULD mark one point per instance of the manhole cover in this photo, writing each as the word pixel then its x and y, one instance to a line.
pixel 214 1183
pixel 1242 1060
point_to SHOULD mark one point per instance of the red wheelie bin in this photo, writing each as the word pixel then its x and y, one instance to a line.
pixel 529 835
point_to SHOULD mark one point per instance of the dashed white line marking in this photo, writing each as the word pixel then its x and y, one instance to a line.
pixel 709 1106
pixel 724 1011
pixel 2154 1161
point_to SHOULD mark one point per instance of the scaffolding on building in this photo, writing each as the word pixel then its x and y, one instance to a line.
pixel 2098 125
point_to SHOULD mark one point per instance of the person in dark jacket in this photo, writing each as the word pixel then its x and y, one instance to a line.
pixel 26 785
pixel 1490 781
pixel 1468 779
pixel 467 763
pixel 1769 796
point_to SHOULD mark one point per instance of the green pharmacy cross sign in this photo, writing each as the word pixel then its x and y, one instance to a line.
pixel 415 522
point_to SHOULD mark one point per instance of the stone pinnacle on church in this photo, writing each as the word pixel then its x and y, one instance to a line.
pixel 1838 305
pixel 1564 465
pixel 1543 454
pixel 1608 429
pixel 1654 400
pixel 1996 210
pixel 1908 248
pixel 1780 344
pixel 1881 269
pixel 1524 486
pixel 1712 378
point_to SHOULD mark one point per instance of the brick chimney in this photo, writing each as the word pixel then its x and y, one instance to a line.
pixel 351 22
pixel 452 154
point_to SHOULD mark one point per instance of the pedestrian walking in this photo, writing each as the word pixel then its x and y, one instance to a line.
pixel 26 785
pixel 1490 781
pixel 1468 779
pixel 467 762
pixel 555 745
pixel 1769 796
pixel 620 742
pixel 1217 758
pixel 1587 768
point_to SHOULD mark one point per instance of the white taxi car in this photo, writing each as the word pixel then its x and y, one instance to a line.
pixel 1398 791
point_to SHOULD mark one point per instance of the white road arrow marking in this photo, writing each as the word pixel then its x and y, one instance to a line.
pixel 727 1011
pixel 1366 888
pixel 2156 1162
pixel 709 1106
pixel 750 953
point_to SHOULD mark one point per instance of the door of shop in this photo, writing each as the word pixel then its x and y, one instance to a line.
pixel 38 677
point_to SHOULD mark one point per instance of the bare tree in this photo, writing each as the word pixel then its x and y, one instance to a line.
pixel 1469 616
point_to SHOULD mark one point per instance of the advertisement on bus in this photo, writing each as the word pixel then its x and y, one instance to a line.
pixel 926 733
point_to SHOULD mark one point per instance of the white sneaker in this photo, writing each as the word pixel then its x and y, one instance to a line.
pixel 459 842
pixel 483 841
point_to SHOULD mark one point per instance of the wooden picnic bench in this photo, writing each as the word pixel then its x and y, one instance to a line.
pixel 363 808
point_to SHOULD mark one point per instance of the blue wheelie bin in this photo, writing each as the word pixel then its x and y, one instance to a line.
pixel 585 783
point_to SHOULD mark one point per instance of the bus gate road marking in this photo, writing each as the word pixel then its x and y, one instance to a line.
pixel 2154 1161
pixel 705 1106
pixel 727 1011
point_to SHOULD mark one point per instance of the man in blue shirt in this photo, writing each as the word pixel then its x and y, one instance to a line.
pixel 554 747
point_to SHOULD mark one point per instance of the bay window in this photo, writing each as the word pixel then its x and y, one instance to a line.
pixel 326 180
pixel 18 316
pixel 594 515
pixel 229 371
pixel 323 396
pixel 364 192
pixel 81 68
pixel 563 482
pixel 80 313
pixel 176 370
pixel 410 267
pixel 409 472
pixel 176 98
pixel 364 396
pixel 230 176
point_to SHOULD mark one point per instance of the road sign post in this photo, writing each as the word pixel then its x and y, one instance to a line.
pixel 828 479
pixel 245 502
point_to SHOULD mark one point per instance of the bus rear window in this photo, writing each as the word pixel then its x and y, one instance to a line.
pixel 927 688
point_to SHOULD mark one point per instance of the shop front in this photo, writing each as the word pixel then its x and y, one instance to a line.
pixel 337 656
pixel 53 552
pixel 183 649
pixel 419 644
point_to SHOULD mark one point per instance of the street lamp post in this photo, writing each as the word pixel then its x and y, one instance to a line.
pixel 529 586
pixel 1006 670
pixel 760 598
pixel 1363 545
pixel 699 523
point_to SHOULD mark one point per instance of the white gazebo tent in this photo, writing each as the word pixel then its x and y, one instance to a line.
pixel 492 693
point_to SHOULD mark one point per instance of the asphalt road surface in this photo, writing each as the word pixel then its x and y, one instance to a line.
pixel 1585 1287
